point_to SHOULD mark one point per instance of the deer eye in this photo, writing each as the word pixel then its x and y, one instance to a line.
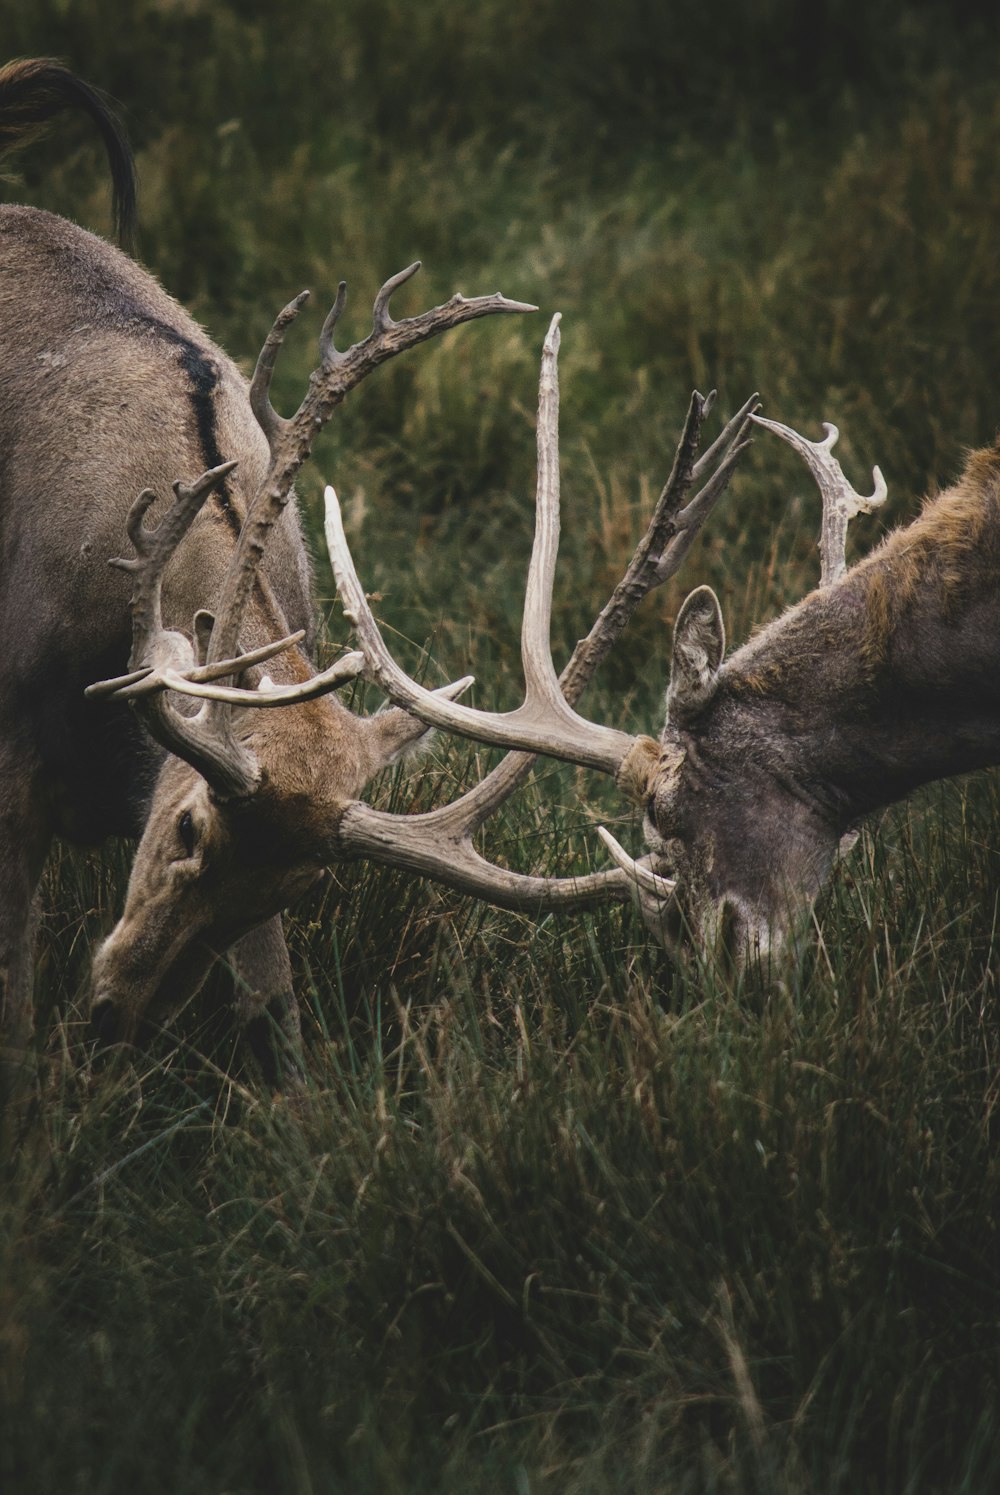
pixel 185 829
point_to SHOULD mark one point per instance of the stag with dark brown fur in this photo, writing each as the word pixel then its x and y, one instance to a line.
pixel 881 680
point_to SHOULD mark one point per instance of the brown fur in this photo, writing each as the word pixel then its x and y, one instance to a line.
pixel 940 560
pixel 108 387
pixel 637 769
pixel 883 681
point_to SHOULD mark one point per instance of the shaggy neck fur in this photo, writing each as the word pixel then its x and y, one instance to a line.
pixel 890 678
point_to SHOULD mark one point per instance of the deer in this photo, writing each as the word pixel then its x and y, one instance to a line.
pixel 253 804
pixel 108 389
pixel 152 564
pixel 882 679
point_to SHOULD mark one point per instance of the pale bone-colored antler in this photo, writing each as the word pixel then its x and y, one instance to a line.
pixel 162 660
pixel 840 501
pixel 646 880
pixel 545 722
pixel 439 843
pixel 143 682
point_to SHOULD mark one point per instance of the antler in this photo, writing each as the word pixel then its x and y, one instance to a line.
pixel 163 660
pixel 439 843
pixel 840 501
pixel 545 722
pixel 290 440
pixel 158 651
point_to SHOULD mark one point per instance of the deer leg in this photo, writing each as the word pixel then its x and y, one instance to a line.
pixel 265 999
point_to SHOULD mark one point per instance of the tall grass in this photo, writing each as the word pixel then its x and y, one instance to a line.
pixel 543 1207
pixel 548 1215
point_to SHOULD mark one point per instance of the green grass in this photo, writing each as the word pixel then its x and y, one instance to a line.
pixel 548 1215
pixel 545 1207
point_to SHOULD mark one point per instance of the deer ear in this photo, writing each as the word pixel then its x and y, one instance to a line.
pixel 699 644
pixel 394 734
pixel 204 622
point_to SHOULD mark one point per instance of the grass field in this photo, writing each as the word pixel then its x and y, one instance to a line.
pixel 549 1216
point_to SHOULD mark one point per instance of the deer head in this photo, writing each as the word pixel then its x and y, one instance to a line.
pixel 735 847
pixel 727 816
pixel 260 768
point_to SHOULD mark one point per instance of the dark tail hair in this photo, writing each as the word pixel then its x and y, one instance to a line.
pixel 34 90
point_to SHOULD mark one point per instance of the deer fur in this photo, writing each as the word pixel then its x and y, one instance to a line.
pixel 108 387
pixel 853 698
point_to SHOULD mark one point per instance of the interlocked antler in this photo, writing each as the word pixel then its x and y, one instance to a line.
pixel 162 660
pixel 290 440
pixel 161 653
pixel 840 502
pixel 439 843
pixel 545 722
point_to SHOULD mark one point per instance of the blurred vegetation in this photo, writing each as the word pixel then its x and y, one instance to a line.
pixel 550 1215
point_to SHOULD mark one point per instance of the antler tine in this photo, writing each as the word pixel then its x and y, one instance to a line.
pixel 267 694
pixel 840 501
pixel 145 680
pixel 536 622
pixel 638 871
pixel 736 426
pixel 291 440
pixel 270 422
pixel 439 843
pixel 136 531
pixel 159 653
pixel 381 320
pixel 328 354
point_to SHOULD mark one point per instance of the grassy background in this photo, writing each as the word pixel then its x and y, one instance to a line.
pixel 551 1216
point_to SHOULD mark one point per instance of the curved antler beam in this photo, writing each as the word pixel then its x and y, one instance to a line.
pixel 545 722
pixel 840 501
pixel 431 847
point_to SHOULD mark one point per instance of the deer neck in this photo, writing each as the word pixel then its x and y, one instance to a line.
pixel 890 678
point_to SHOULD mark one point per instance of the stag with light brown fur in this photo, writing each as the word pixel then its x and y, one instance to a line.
pixel 108 389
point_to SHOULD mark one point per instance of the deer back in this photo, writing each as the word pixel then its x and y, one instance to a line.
pixel 107 387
